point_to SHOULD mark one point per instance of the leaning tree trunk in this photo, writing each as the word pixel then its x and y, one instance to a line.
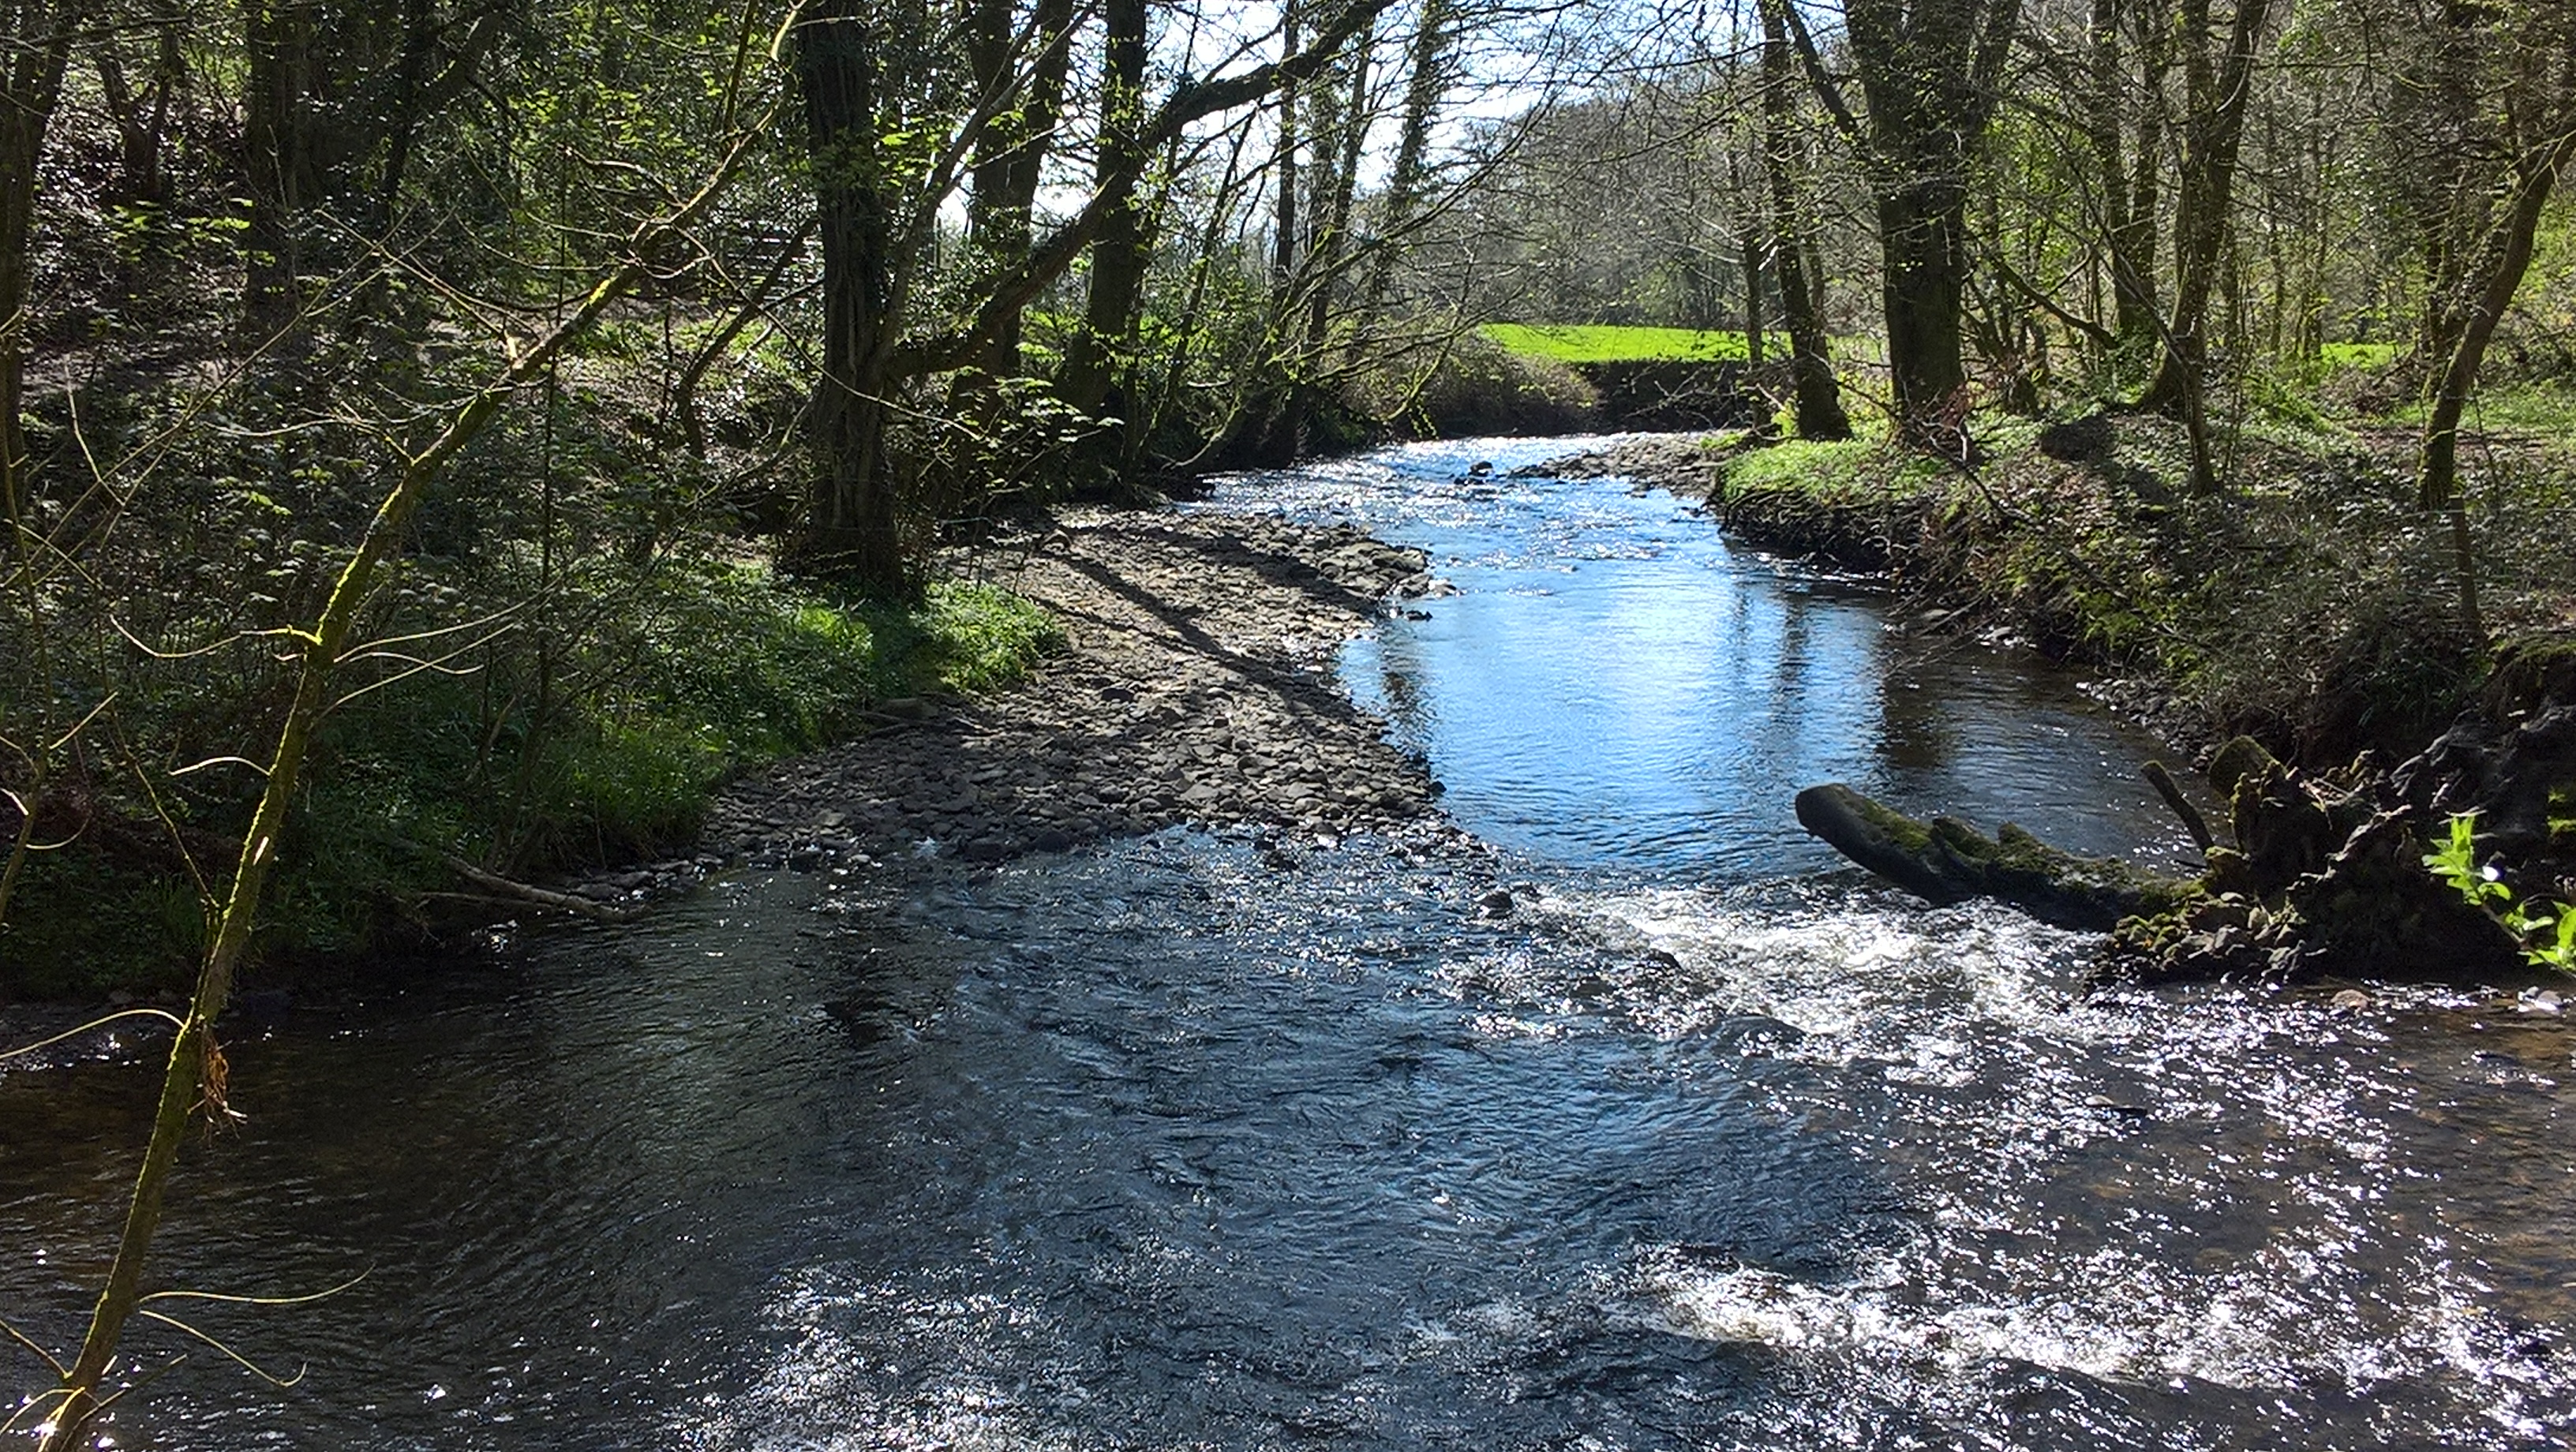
pixel 2499 274
pixel 194 1074
pixel 2491 282
pixel 2542 106
pixel 1817 396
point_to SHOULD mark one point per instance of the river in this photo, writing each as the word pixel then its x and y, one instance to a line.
pixel 1220 1141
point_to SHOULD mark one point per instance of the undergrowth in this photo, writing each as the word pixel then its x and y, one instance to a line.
pixel 605 746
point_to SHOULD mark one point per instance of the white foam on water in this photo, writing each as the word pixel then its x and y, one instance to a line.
pixel 1857 979
pixel 881 1368
pixel 2236 1333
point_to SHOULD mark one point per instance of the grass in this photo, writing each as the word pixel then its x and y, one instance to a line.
pixel 689 680
pixel 1595 343
pixel 2309 606
pixel 2544 409
pixel 1848 471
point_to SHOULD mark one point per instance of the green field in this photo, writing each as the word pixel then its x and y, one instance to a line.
pixel 1589 343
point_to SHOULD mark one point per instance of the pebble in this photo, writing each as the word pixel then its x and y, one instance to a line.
pixel 1189 694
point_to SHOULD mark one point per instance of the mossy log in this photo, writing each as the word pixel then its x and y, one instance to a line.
pixel 1946 861
pixel 2317 879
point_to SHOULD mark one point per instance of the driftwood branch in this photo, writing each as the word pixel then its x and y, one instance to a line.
pixel 2316 878
pixel 541 897
pixel 2166 787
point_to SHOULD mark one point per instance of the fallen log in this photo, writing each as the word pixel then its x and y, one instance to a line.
pixel 2318 878
pixel 1947 861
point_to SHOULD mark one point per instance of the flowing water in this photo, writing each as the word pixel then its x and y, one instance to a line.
pixel 1208 1141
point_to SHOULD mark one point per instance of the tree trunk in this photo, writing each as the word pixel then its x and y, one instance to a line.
pixel 2438 114
pixel 1344 121
pixel 1817 396
pixel 277 147
pixel 142 119
pixel 1748 248
pixel 1119 250
pixel 850 523
pixel 1284 237
pixel 2140 294
pixel 194 1074
pixel 411 74
pixel 2128 187
pixel 1010 155
pixel 2204 212
pixel 2498 274
pixel 41 46
pixel 1403 195
pixel 1932 75
pixel 1922 241
pixel 1337 126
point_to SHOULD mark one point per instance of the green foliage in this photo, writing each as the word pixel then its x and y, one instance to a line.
pixel 2340 357
pixel 83 923
pixel 1588 343
pixel 601 740
pixel 2455 861
pixel 2546 408
pixel 688 677
pixel 2548 933
pixel 978 637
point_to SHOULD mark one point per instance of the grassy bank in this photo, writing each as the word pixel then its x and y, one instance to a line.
pixel 597 735
pixel 2313 607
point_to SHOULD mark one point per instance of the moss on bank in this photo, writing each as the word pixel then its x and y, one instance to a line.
pixel 609 750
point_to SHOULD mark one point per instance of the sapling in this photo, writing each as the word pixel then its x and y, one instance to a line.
pixel 2547 932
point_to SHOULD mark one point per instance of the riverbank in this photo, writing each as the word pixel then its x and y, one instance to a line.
pixel 1192 683
pixel 2315 609
pixel 1195 686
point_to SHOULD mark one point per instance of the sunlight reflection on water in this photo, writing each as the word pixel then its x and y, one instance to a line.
pixel 1216 1142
